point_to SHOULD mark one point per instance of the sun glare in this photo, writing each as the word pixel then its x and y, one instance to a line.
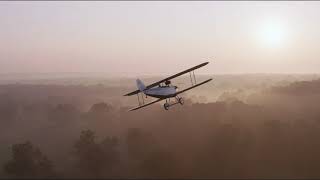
pixel 273 34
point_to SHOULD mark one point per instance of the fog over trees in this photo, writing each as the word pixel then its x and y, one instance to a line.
pixel 243 127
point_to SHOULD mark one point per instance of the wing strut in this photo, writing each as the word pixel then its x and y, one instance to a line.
pixel 191 79
pixel 138 99
pixel 140 103
pixel 195 81
pixel 142 98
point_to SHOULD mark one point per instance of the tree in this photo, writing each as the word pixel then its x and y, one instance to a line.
pixel 28 161
pixel 147 159
pixel 63 113
pixel 159 164
pixel 94 159
pixel 139 143
pixel 99 115
pixel 100 108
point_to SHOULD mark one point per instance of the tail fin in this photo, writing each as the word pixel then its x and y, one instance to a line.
pixel 140 85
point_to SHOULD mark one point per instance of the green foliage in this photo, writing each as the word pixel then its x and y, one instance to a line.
pixel 100 108
pixel 147 158
pixel 95 159
pixel 28 161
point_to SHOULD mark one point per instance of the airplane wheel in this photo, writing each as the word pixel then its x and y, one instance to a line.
pixel 166 106
pixel 181 101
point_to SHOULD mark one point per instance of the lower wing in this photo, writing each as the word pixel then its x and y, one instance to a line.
pixel 146 104
pixel 199 84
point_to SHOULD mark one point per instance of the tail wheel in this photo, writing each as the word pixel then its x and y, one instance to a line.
pixel 181 101
pixel 166 106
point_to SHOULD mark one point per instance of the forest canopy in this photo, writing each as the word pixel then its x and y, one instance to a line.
pixel 74 131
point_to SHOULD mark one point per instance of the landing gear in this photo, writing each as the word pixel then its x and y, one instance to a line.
pixel 166 106
pixel 179 100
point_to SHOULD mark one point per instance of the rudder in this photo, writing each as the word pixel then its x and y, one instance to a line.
pixel 140 85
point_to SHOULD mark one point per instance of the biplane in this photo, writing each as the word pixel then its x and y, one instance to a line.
pixel 164 90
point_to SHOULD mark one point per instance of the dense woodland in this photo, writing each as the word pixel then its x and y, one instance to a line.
pixel 73 131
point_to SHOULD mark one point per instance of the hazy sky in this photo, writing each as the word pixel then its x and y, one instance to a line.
pixel 134 38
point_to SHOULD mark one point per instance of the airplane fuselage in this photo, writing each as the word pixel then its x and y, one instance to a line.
pixel 161 92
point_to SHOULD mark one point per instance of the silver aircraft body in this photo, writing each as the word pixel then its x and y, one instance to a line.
pixel 163 90
pixel 157 92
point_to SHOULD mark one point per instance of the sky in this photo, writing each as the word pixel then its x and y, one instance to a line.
pixel 160 37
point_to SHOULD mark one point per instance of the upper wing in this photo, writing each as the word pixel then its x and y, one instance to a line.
pixel 168 78
pixel 146 104
pixel 179 92
pixel 176 75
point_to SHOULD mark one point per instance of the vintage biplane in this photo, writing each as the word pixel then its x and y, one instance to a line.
pixel 163 90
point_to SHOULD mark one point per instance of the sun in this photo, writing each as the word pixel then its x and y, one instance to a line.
pixel 273 34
